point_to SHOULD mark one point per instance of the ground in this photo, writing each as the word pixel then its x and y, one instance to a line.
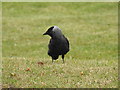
pixel 91 28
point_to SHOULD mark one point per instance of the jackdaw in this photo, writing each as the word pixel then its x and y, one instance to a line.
pixel 58 44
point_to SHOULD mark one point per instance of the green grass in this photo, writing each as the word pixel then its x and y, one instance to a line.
pixel 91 28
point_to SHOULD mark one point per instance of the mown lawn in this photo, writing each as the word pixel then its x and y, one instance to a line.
pixel 92 29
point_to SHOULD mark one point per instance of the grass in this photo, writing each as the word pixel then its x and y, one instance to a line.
pixel 91 29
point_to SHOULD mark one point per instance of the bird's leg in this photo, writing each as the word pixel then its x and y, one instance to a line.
pixel 52 60
pixel 63 58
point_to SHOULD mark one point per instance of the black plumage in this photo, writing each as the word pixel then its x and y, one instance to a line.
pixel 58 45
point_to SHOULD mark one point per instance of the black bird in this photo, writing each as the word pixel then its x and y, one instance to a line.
pixel 58 45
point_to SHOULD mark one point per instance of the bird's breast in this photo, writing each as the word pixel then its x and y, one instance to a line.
pixel 58 46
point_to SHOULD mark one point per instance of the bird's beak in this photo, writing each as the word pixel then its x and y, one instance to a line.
pixel 45 33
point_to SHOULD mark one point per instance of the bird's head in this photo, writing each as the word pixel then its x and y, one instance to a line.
pixel 53 31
